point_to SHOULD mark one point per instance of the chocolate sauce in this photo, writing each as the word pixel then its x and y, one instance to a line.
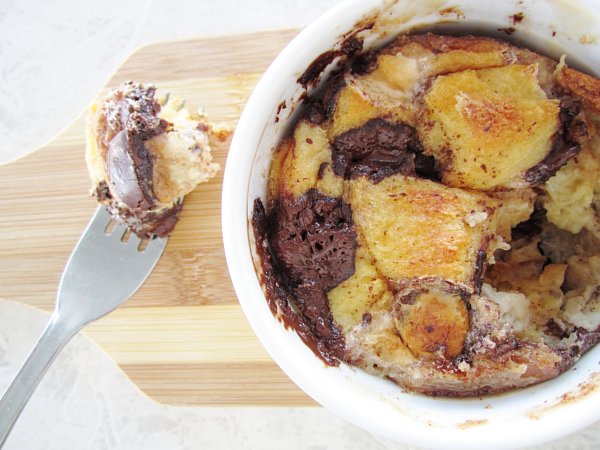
pixel 320 106
pixel 572 132
pixel 309 243
pixel 378 149
pixel 350 46
pixel 480 268
pixel 312 74
pixel 314 239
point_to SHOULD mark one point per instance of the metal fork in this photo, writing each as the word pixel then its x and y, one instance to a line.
pixel 104 270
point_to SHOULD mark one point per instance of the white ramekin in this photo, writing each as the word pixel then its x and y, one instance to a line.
pixel 524 417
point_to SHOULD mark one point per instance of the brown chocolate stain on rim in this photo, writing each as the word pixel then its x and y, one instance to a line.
pixel 517 18
pixel 347 47
pixel 350 44
pixel 471 423
pixel 507 30
pixel 280 107
pixel 583 390
pixel 452 11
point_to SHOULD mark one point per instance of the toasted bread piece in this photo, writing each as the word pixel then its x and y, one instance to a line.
pixel 388 91
pixel 393 87
pixel 306 155
pixel 352 110
pixel 437 54
pixel 498 360
pixel 364 292
pixel 434 324
pixel 418 228
pixel 488 127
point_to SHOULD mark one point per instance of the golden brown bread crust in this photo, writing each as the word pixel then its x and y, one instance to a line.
pixel 433 323
pixel 465 52
pixel 582 86
pixel 463 284
pixel 419 228
pixel 443 44
pixel 488 127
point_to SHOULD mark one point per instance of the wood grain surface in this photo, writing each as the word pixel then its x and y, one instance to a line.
pixel 182 338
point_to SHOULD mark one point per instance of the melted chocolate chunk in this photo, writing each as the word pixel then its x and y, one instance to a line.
pixel 321 171
pixel 426 167
pixel 377 150
pixel 103 192
pixel 312 74
pixel 364 64
pixel 526 230
pixel 348 47
pixel 314 239
pixel 132 119
pixel 141 128
pixel 307 248
pixel 314 242
pixel 322 105
pixel 312 304
pixel 553 328
pixel 480 268
pixel 572 132
pixel 122 177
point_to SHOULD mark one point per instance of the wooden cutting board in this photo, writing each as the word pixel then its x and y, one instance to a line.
pixel 182 338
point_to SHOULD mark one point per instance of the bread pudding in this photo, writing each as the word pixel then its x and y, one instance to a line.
pixel 432 217
pixel 144 155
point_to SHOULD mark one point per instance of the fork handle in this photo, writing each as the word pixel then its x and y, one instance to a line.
pixel 55 336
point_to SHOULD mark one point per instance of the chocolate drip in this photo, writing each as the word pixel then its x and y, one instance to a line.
pixel 322 105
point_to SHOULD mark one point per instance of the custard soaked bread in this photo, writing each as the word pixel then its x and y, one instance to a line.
pixel 433 216
pixel 145 155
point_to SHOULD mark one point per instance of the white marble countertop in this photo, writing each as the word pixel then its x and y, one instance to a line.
pixel 54 57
